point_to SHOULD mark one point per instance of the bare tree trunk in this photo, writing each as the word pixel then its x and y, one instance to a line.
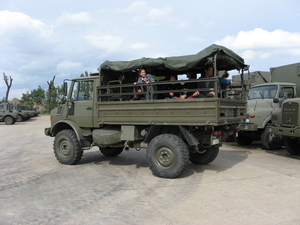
pixel 8 84
pixel 50 85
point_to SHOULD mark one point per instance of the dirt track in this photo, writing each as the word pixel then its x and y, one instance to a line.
pixel 242 186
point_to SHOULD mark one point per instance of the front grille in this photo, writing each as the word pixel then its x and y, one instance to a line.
pixel 290 113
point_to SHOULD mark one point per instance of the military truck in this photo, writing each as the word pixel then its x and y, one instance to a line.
pixel 7 114
pixel 285 84
pixel 100 111
pixel 22 114
pixel 253 78
pixel 286 123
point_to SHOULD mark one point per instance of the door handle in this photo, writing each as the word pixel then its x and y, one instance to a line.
pixel 89 108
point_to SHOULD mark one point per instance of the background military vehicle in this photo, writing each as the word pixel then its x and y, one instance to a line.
pixel 285 84
pixel 99 112
pixel 22 114
pixel 253 78
pixel 286 123
pixel 7 114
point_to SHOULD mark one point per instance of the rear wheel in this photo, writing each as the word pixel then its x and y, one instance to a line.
pixel 206 157
pixel 292 145
pixel 67 148
pixel 242 139
pixel 167 156
pixel 9 120
pixel 271 141
pixel 112 152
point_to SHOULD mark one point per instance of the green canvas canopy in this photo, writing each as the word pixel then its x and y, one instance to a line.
pixel 225 60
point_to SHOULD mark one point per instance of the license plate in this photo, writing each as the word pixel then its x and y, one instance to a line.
pixel 215 141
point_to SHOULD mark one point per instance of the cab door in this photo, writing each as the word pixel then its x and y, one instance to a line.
pixel 81 106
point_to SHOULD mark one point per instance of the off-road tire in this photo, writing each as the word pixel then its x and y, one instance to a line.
pixel 241 139
pixel 206 157
pixel 292 145
pixel 19 118
pixel 8 120
pixel 167 156
pixel 271 141
pixel 230 138
pixel 111 152
pixel 67 148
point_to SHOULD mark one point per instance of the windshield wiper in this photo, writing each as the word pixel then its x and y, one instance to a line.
pixel 262 96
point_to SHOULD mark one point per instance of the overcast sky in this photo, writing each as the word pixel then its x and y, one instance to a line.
pixel 40 39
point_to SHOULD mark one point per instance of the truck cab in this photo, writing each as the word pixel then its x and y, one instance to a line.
pixel 286 123
pixel 263 99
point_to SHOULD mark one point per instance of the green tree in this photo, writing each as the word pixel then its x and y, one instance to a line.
pixel 56 97
pixel 34 97
pixel 26 99
pixel 38 96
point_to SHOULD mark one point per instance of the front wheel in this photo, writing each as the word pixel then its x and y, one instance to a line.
pixel 271 141
pixel 112 152
pixel 67 148
pixel 292 145
pixel 167 156
pixel 242 139
pixel 206 156
pixel 9 120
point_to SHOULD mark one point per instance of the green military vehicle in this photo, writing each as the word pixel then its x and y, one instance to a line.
pixel 22 114
pixel 285 84
pixel 100 111
pixel 286 123
pixel 7 114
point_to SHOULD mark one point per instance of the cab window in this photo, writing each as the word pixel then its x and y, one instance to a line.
pixel 82 90
pixel 286 92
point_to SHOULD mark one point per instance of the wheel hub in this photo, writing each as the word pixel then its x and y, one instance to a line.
pixel 65 148
pixel 165 157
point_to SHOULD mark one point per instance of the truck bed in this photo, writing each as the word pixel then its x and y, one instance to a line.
pixel 192 112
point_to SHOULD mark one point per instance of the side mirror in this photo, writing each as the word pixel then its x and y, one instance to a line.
pixel 65 89
pixel 275 100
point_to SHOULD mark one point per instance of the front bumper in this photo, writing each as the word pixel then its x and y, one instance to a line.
pixel 285 131
pixel 47 131
pixel 247 127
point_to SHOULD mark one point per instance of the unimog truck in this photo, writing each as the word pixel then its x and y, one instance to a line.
pixel 285 84
pixel 286 123
pixel 7 114
pixel 100 110
pixel 22 114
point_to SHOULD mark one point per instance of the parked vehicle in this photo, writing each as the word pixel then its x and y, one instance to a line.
pixel 285 84
pixel 22 114
pixel 253 78
pixel 7 114
pixel 286 123
pixel 99 111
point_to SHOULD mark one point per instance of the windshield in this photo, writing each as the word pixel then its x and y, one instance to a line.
pixel 262 92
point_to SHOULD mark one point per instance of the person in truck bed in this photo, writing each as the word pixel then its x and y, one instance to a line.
pixel 208 73
pixel 171 87
pixel 144 78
